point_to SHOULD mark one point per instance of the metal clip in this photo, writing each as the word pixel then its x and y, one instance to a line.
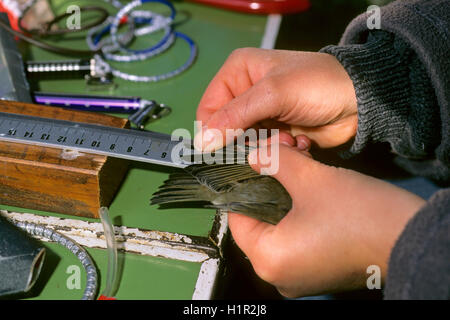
pixel 150 109
pixel 161 111
pixel 100 76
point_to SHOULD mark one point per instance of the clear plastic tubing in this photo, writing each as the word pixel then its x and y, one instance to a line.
pixel 111 276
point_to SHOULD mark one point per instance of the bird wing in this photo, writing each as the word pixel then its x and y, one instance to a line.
pixel 220 177
pixel 202 182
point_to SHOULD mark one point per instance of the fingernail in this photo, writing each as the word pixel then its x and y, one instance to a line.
pixel 302 143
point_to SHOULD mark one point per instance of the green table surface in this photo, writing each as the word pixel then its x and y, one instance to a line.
pixel 217 33
pixel 141 277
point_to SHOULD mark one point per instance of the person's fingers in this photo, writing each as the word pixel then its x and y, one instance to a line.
pixel 282 137
pixel 258 103
pixel 260 241
pixel 303 142
pixel 331 135
pixel 216 95
pixel 236 76
pixel 224 87
pixel 293 168
pixel 247 231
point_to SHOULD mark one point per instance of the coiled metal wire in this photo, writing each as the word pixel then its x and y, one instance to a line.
pixel 91 271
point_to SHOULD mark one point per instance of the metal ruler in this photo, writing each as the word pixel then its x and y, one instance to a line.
pixel 142 146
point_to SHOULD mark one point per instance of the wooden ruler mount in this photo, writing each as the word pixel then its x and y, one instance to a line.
pixel 50 179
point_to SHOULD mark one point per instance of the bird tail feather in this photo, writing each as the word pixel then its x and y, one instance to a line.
pixel 181 188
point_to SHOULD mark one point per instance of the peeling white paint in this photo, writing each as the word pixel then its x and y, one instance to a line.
pixel 209 271
pixel 145 242
pixel 223 227
pixel 206 281
pixel 68 154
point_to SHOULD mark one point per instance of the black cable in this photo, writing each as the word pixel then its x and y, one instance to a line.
pixel 46 46
pixel 47 32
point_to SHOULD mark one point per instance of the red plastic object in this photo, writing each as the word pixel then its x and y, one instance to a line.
pixel 102 297
pixel 12 18
pixel 260 6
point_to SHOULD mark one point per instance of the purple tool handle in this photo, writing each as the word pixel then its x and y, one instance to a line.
pixel 90 103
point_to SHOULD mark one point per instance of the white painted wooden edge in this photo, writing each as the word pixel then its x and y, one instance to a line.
pixel 206 281
pixel 133 240
pixel 271 31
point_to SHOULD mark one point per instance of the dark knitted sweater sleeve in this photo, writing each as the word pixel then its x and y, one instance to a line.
pixel 396 102
pixel 419 266
pixel 401 78
pixel 401 75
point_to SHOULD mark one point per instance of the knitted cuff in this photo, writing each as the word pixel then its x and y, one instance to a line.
pixel 379 73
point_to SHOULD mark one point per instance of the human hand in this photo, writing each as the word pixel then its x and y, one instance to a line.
pixel 341 222
pixel 297 92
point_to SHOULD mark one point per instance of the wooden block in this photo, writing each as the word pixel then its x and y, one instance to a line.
pixel 53 180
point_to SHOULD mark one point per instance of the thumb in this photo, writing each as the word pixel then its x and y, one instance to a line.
pixel 258 103
pixel 294 169
pixel 247 232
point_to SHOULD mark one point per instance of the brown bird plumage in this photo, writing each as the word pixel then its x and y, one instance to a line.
pixel 231 187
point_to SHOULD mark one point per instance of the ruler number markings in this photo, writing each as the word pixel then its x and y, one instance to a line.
pixel 123 143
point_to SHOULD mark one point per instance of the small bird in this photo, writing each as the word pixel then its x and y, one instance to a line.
pixel 232 187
